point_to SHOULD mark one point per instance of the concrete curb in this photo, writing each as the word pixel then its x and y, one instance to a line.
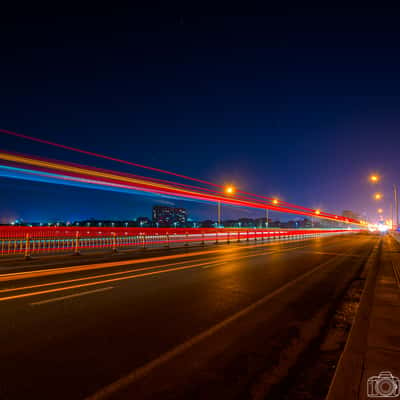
pixel 346 381
pixel 395 236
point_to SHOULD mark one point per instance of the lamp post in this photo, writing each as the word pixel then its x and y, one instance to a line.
pixel 396 207
pixel 274 201
pixel 375 178
pixel 317 212
pixel 230 189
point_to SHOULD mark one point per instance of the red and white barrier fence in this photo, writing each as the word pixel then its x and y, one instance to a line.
pixel 28 241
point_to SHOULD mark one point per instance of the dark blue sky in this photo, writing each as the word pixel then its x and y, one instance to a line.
pixel 299 103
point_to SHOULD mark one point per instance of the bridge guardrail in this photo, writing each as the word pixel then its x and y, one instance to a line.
pixel 29 241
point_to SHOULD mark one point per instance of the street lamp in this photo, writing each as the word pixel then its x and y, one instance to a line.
pixel 274 201
pixel 374 178
pixel 317 212
pixel 230 189
pixel 380 211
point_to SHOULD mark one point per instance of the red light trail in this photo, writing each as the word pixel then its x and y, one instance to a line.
pixel 108 178
pixel 75 149
pixel 20 135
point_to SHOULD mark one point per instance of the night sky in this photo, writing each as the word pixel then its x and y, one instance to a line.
pixel 297 103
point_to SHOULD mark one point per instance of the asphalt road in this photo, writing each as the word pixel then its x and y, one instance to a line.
pixel 220 322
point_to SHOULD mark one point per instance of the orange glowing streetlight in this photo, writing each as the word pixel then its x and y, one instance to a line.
pixel 380 211
pixel 316 212
pixel 273 201
pixel 229 189
pixel 374 178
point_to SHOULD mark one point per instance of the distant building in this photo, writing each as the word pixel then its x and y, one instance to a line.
pixel 169 216
pixel 350 214
pixel 181 216
pixel 163 216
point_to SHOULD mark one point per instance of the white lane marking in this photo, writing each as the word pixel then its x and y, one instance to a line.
pixel 217 261
pixel 36 303
pixel 332 254
pixel 74 268
pixel 140 372
pixel 209 266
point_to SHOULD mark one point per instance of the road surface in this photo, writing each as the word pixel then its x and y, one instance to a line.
pixel 220 322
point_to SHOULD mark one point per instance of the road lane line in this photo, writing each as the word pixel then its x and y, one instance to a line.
pixel 333 254
pixel 18 296
pixel 71 296
pixel 77 268
pixel 210 262
pixel 140 372
pixel 15 289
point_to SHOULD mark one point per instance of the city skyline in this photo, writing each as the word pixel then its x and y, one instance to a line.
pixel 179 217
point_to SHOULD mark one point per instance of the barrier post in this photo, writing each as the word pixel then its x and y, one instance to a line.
pixel 202 236
pixel 114 242
pixel 77 253
pixel 168 245
pixel 187 239
pixel 27 255
pixel 228 241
